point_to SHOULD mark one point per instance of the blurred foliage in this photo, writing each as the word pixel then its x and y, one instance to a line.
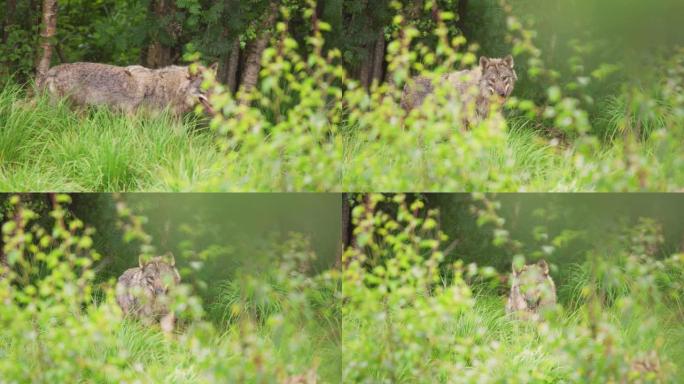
pixel 412 315
pixel 60 322
pixel 312 126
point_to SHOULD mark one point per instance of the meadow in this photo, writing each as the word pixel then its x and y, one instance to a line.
pixel 45 147
pixel 435 313
pixel 256 314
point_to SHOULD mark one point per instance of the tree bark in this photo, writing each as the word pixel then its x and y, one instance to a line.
pixel 232 66
pixel 379 58
pixel 346 221
pixel 158 55
pixel 462 12
pixel 47 34
pixel 250 75
pixel 366 72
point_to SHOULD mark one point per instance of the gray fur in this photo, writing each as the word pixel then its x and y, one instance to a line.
pixel 126 89
pixel 142 292
pixel 532 290
pixel 493 80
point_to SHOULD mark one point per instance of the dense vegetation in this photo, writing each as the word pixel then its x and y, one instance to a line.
pixel 421 306
pixel 598 104
pixel 257 305
pixel 420 298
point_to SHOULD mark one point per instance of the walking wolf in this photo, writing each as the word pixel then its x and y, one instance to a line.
pixel 128 89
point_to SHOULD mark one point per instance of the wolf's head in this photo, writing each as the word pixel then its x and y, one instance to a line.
pixel 159 274
pixel 498 77
pixel 194 92
pixel 534 284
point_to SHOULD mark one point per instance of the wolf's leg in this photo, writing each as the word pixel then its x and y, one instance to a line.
pixel 168 322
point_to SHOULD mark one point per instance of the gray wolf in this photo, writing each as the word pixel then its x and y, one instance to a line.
pixel 493 80
pixel 143 292
pixel 128 89
pixel 532 290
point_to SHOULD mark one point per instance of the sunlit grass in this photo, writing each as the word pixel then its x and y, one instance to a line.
pixel 51 147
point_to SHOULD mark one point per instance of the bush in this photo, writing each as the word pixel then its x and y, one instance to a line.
pixel 409 316
pixel 59 324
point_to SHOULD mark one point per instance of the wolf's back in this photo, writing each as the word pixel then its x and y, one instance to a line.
pixel 93 84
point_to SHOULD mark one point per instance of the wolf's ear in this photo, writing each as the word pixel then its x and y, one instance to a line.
pixel 214 67
pixel 508 60
pixel 484 62
pixel 141 262
pixel 544 266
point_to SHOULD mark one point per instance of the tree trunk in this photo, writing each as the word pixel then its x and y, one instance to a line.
pixel 9 19
pixel 366 72
pixel 232 66
pixel 250 75
pixel 379 58
pixel 346 221
pixel 462 13
pixel 159 55
pixel 48 32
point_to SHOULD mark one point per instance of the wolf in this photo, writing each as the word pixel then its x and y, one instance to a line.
pixel 128 89
pixel 532 290
pixel 493 80
pixel 143 291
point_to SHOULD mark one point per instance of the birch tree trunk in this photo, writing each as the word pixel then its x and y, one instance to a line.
pixel 47 33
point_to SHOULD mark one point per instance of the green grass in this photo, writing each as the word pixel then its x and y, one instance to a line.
pixel 107 349
pixel 50 147
pixel 46 147
pixel 491 346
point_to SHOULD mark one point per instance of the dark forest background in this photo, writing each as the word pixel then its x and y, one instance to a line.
pixel 574 36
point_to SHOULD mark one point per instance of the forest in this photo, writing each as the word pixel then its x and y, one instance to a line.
pixel 308 96
pixel 257 299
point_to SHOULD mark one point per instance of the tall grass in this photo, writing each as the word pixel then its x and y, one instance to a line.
pixel 409 316
pixel 58 324
pixel 51 147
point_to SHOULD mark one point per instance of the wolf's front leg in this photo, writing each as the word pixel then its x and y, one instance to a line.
pixel 168 322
